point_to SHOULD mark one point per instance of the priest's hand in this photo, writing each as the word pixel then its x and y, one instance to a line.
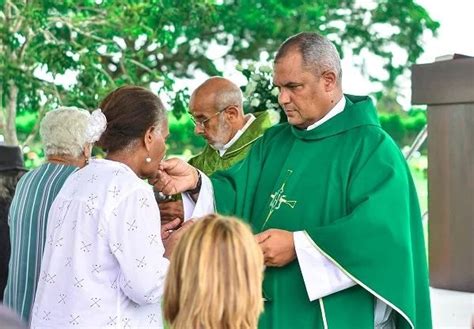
pixel 175 176
pixel 278 247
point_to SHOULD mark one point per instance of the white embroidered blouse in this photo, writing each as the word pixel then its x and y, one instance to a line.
pixel 103 263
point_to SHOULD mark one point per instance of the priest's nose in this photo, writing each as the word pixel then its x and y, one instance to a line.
pixel 283 97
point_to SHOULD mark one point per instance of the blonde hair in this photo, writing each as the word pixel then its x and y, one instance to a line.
pixel 215 277
pixel 63 131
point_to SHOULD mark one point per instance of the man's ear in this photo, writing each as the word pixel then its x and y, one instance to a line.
pixel 232 112
pixel 330 80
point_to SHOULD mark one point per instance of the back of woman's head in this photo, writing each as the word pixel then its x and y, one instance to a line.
pixel 63 131
pixel 215 277
pixel 130 111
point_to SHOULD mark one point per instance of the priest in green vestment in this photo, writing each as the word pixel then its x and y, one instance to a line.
pixel 331 201
pixel 216 108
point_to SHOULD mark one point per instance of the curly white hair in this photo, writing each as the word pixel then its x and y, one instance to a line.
pixel 63 131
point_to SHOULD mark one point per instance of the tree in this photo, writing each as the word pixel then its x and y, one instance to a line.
pixel 110 43
pixel 106 44
pixel 403 127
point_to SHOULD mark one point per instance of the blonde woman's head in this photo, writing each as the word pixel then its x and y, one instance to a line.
pixel 215 277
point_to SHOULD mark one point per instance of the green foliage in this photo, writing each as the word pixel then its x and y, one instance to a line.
pixel 403 127
pixel 33 156
pixel 180 103
pixel 182 140
pixel 393 125
pixel 259 92
pixel 416 120
pixel 106 44
pixel 25 122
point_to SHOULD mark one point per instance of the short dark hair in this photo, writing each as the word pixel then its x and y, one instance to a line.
pixel 130 111
pixel 318 52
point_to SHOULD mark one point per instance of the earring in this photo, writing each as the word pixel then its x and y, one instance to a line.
pixel 147 159
pixel 87 161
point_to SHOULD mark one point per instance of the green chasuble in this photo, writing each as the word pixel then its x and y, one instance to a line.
pixel 347 186
pixel 209 160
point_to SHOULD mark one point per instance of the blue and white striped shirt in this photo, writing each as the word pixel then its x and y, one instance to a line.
pixel 28 216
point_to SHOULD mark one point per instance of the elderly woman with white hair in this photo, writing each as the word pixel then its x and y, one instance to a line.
pixel 66 144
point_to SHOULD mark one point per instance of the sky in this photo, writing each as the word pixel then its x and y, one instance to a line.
pixel 456 31
pixel 455 35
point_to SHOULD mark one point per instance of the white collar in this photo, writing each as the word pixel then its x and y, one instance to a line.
pixel 250 118
pixel 338 108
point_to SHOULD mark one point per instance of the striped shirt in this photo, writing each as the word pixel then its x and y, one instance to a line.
pixel 28 215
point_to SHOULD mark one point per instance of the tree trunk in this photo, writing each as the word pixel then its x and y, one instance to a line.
pixel 10 129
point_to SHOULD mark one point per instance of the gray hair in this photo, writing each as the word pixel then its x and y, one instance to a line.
pixel 226 97
pixel 63 131
pixel 223 91
pixel 319 53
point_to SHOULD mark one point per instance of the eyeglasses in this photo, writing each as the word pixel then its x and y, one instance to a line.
pixel 203 123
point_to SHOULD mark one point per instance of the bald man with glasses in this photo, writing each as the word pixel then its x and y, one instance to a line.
pixel 217 112
pixel 216 109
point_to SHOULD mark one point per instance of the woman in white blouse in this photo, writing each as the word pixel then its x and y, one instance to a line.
pixel 105 262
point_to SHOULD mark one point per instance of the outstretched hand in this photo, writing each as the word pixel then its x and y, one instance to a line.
pixel 175 176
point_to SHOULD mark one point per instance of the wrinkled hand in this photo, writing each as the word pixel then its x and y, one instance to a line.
pixel 278 247
pixel 175 176
pixel 173 236
pixel 171 210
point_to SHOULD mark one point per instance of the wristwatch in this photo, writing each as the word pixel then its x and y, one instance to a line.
pixel 198 185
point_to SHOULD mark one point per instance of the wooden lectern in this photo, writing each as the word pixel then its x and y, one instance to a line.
pixel 447 87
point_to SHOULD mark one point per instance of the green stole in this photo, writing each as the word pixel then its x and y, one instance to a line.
pixel 209 160
pixel 347 185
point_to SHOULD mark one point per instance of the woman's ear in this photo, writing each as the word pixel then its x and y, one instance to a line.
pixel 149 137
pixel 87 151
